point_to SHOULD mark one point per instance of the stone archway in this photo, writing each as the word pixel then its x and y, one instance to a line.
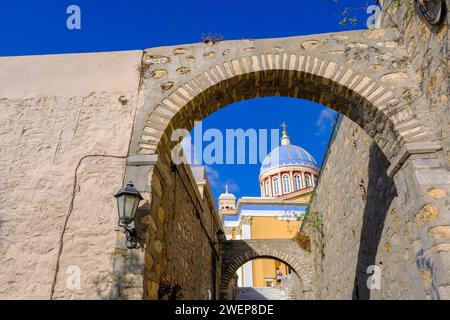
pixel 237 252
pixel 347 72
pixel 336 70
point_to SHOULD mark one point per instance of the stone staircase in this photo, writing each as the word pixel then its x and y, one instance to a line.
pixel 263 293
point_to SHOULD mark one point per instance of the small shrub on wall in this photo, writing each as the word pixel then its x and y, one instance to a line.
pixel 303 240
pixel 312 227
pixel 313 220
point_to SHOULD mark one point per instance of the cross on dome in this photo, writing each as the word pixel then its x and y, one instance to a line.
pixel 284 125
pixel 227 195
pixel 285 141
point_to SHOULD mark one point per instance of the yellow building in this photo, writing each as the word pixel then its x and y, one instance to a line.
pixel 287 177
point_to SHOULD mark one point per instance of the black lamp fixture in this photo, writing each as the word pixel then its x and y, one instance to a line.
pixel 432 11
pixel 128 199
pixel 220 235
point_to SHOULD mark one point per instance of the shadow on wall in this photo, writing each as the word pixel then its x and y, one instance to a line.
pixel 379 195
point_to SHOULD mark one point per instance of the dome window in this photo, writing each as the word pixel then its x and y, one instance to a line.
pixel 286 184
pixel 268 188
pixel 287 154
pixel 297 182
pixel 308 181
pixel 275 188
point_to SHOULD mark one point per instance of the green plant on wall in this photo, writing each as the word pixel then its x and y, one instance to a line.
pixel 311 229
pixel 290 215
pixel 211 37
pixel 397 3
pixel 314 220
pixel 348 14
pixel 303 240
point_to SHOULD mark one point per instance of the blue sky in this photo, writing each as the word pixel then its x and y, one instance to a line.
pixel 39 27
pixel 309 126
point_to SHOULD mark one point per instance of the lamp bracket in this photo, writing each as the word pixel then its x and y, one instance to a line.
pixel 131 237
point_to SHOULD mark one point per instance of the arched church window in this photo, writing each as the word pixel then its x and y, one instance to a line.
pixel 308 181
pixel 297 182
pixel 268 188
pixel 286 184
pixel 275 188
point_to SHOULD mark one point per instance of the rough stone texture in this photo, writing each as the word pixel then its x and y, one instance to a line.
pixel 293 283
pixel 365 223
pixel 378 99
pixel 428 58
pixel 182 247
pixel 237 252
pixel 427 49
pixel 50 122
pixel 366 75
pixel 371 219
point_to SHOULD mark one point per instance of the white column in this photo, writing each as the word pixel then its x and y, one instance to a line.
pixel 248 266
pixel 292 186
pixel 280 184
pixel 270 186
pixel 303 180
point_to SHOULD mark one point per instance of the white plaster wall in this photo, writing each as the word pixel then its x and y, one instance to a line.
pixel 56 110
pixel 69 75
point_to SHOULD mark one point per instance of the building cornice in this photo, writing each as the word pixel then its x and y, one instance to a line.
pixel 288 167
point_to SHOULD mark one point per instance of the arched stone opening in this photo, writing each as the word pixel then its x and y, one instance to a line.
pixel 382 102
pixel 366 101
pixel 239 252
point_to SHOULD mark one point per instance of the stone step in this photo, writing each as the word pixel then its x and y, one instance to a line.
pixel 263 293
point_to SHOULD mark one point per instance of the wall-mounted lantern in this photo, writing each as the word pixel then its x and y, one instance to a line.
pixel 432 11
pixel 128 199
pixel 220 235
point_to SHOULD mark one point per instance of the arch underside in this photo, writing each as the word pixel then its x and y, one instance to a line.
pixel 378 110
pixel 229 273
pixel 360 101
pixel 239 252
pixel 382 101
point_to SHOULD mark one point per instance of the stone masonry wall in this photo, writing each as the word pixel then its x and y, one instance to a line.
pixel 427 177
pixel 365 223
pixel 237 252
pixel 70 123
pixel 428 56
pixel 184 251
pixel 292 283
pixel 405 230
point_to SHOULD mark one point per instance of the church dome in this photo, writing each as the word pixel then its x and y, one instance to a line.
pixel 227 201
pixel 287 154
pixel 226 195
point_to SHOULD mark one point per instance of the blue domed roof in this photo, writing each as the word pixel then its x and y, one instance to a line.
pixel 287 155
